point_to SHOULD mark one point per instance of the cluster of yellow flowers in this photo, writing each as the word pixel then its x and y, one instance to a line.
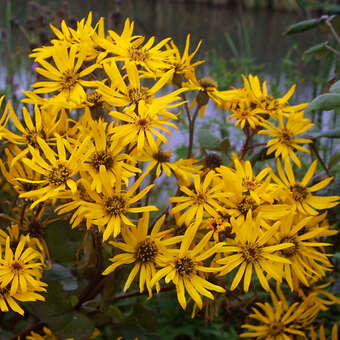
pixel 98 131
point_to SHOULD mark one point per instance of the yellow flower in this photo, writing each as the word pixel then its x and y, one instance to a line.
pixel 119 93
pixel 262 102
pixel 144 250
pixel 251 250
pixel 298 195
pixel 142 124
pixel 280 320
pixel 107 154
pixel 245 115
pixel 14 170
pixel 182 64
pixel 65 76
pixel 184 267
pixel 205 198
pixel 286 139
pixel 21 270
pixel 130 48
pixel 207 88
pixel 307 257
pixel 57 174
pixel 108 209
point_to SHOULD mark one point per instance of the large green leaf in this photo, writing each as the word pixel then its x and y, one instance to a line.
pixel 303 26
pixel 57 313
pixel 63 242
pixel 207 140
pixel 335 88
pixel 62 275
pixel 326 102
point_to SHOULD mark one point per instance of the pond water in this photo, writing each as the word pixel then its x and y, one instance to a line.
pixel 257 35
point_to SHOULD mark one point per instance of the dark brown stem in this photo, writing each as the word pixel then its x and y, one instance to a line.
pixel 330 48
pixel 246 145
pixel 314 149
pixel 186 106
pixel 191 131
pixel 126 296
pixel 152 179
pixel 97 283
pixel 27 331
pixel 335 35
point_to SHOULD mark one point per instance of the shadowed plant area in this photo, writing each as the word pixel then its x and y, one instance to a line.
pixel 155 188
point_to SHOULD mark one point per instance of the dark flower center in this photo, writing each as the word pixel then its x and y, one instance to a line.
pixel 299 192
pixel 115 205
pixel 146 251
pixel 59 175
pixel 101 158
pixel 184 266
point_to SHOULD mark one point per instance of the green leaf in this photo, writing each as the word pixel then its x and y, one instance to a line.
pixel 207 140
pixel 71 325
pixel 328 134
pixel 334 160
pixel 57 313
pixel 182 152
pixel 63 242
pixel 318 50
pixel 225 145
pixel 63 275
pixel 261 155
pixel 303 26
pixel 326 102
pixel 335 88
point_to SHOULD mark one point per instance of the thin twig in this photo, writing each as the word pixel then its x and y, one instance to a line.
pixel 192 130
pixel 332 50
pixel 126 296
pixel 313 148
pixel 337 38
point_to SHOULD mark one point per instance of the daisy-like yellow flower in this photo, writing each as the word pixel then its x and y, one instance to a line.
pixel 220 226
pixel 207 88
pixel 280 320
pixel 65 76
pixel 142 124
pixel 21 271
pixel 184 267
pixel 12 170
pixel 245 115
pixel 300 197
pixel 205 198
pixel 108 209
pixel 181 64
pixel 160 162
pixel 131 49
pixel 251 250
pixel 249 194
pixel 319 294
pixel 57 174
pixel 285 137
pixel 260 100
pixel 29 134
pixel 107 154
pixel 307 257
pixel 144 250
pixel 120 93
pixel 9 301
